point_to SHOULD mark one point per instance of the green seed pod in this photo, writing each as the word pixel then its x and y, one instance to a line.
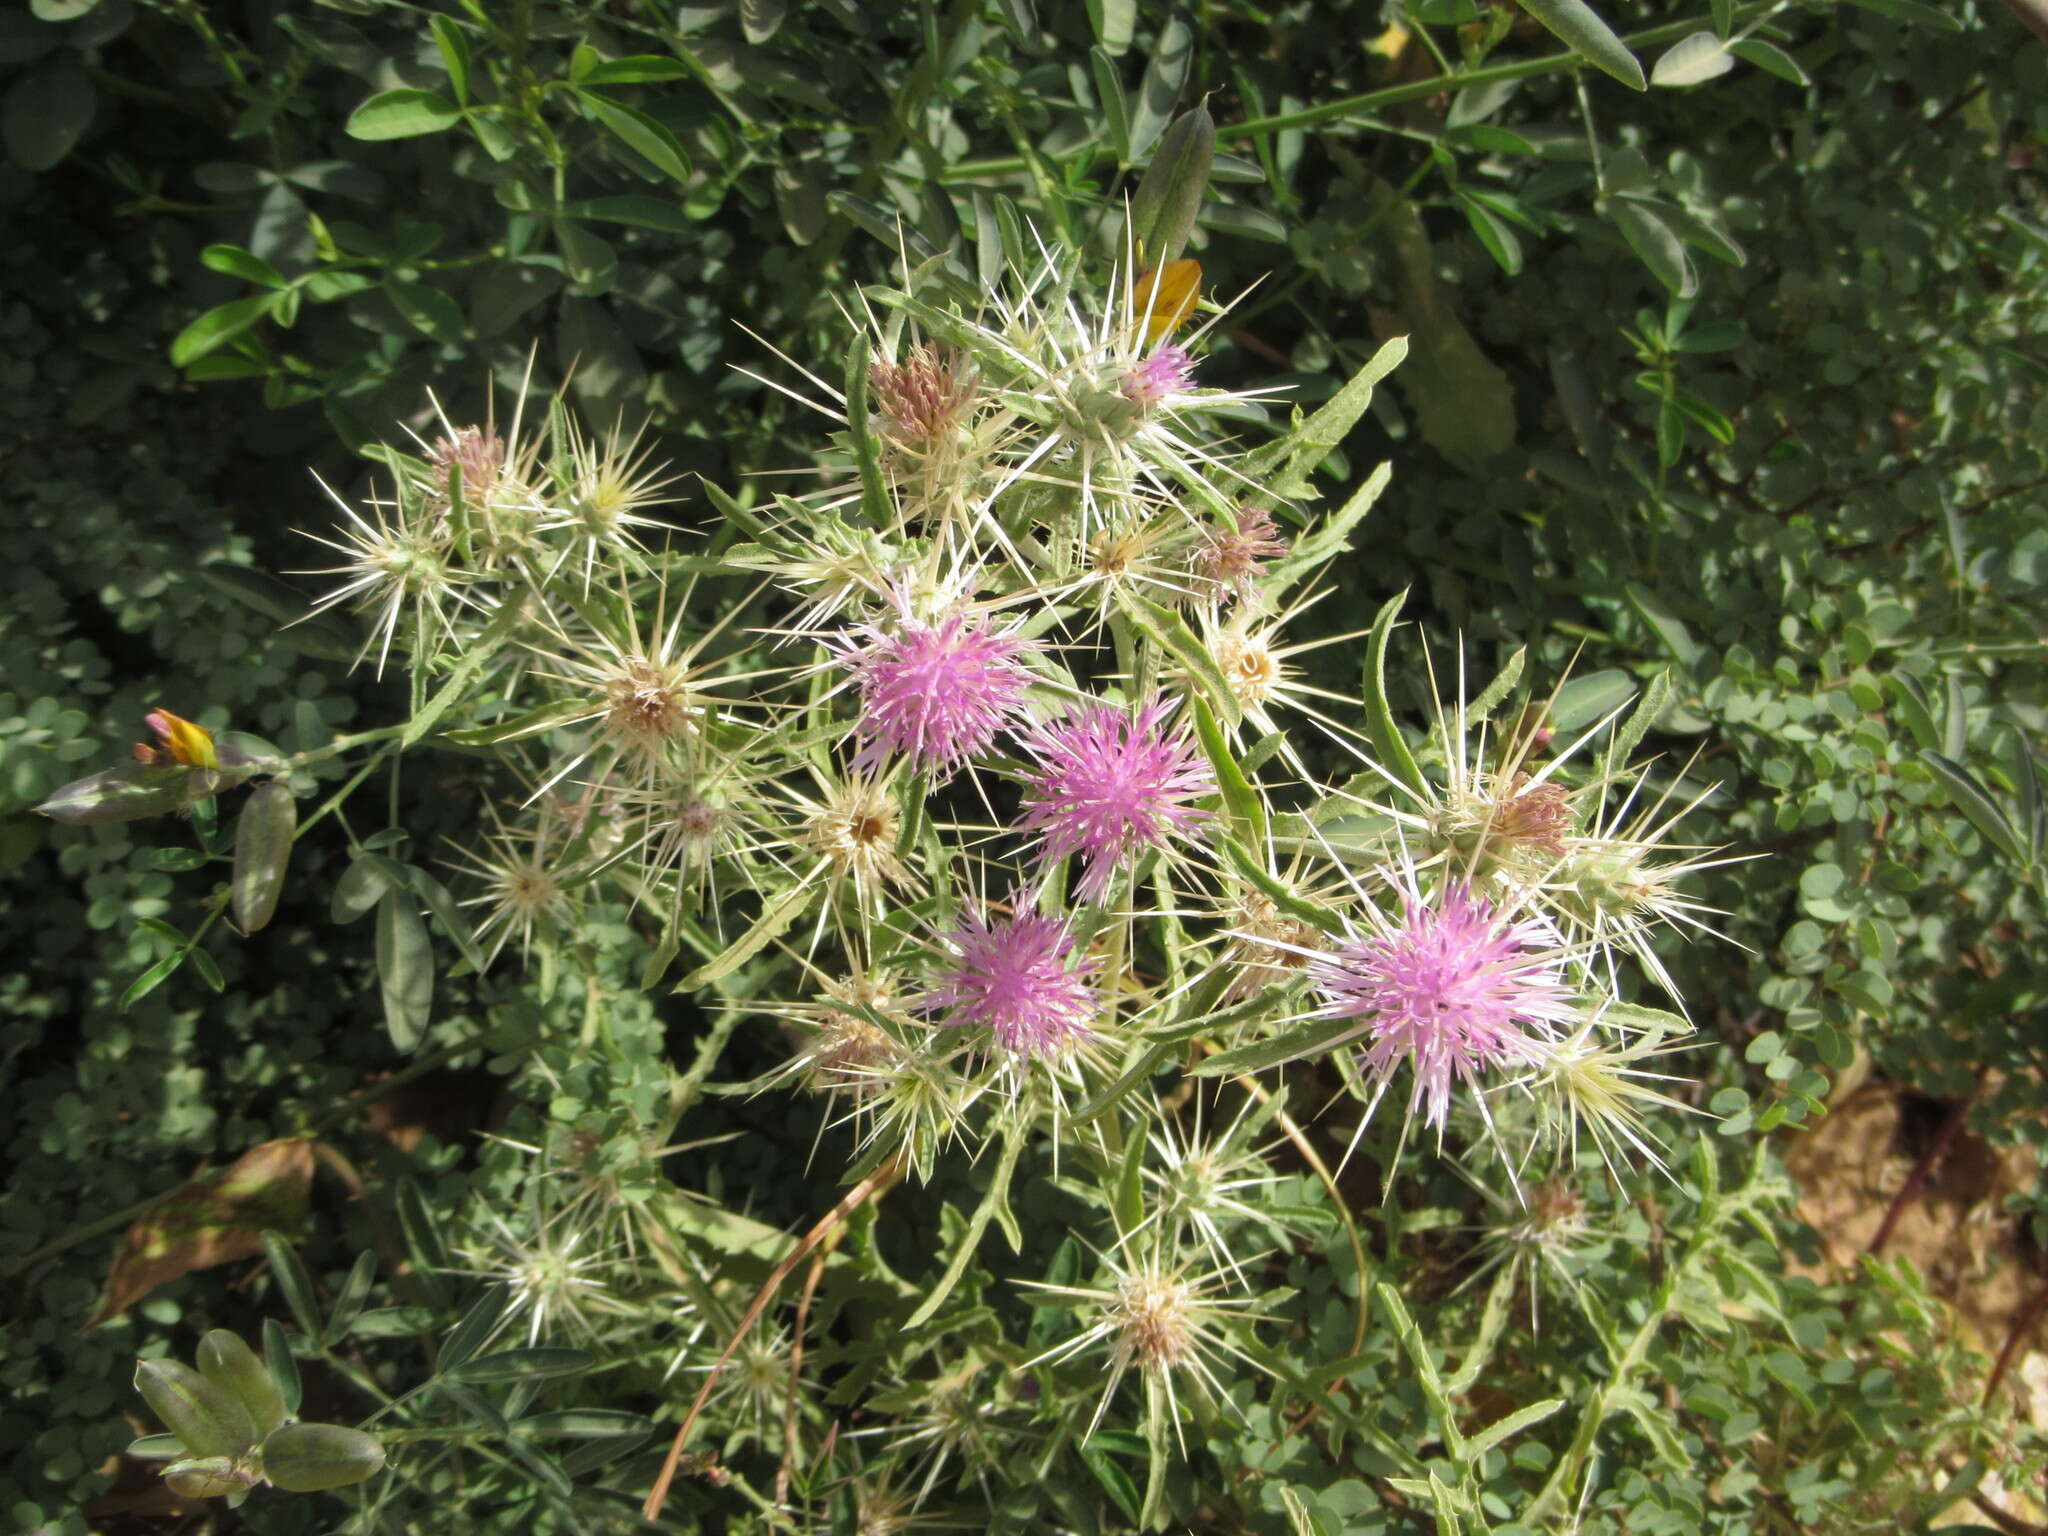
pixel 207 1477
pixel 129 793
pixel 305 1458
pixel 235 1368
pixel 263 846
pixel 206 1419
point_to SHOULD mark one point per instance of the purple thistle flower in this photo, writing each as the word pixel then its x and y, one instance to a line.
pixel 1451 989
pixel 1109 784
pixel 1166 371
pixel 1013 977
pixel 936 693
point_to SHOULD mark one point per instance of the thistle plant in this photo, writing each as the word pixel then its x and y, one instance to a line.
pixel 990 756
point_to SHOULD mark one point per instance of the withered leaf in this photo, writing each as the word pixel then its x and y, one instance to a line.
pixel 215 1219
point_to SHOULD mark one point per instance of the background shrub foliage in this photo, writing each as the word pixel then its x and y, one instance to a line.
pixel 1737 380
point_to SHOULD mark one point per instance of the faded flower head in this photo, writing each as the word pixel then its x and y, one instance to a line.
pixel 1017 978
pixel 476 454
pixel 1234 553
pixel 1110 783
pixel 1451 988
pixel 920 399
pixel 938 694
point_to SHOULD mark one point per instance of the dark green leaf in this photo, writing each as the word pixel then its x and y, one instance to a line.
pixel 643 134
pixel 524 1365
pixel 294 1282
pixel 46 111
pixel 453 43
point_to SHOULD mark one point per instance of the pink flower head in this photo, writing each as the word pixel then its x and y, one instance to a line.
pixel 1167 371
pixel 1451 989
pixel 936 693
pixel 1013 977
pixel 1110 783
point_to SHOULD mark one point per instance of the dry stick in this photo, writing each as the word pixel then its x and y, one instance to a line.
pixel 796 1365
pixel 875 1182
pixel 1924 1169
pixel 2022 1327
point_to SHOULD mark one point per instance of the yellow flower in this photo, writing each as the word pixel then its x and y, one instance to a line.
pixel 185 744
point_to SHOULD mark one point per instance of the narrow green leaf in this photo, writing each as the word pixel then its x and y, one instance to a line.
pixel 1166 628
pixel 1974 802
pixel 349 1300
pixel 1380 729
pixel 1302 1041
pixel 1129 1200
pixel 294 1282
pixel 874 492
pixel 454 46
pixel 474 657
pixel 1330 537
pixel 283 1368
pixel 1495 693
pixel 1669 628
pixel 1513 1424
pixel 524 1365
pixel 442 906
pixel 1770 58
pixel 996 1194
pixel 1914 708
pixel 405 968
pixel 472 1332
pixel 1653 241
pixel 1247 812
pixel 775 918
pixel 1283 464
pixel 208 969
pixel 583 1423
pixel 1116 114
pixel 402 114
pixel 218 326
pixel 646 136
pixel 151 979
pixel 1321 918
pixel 638 69
pixel 1582 31
pixel 236 262
pixel 1166 76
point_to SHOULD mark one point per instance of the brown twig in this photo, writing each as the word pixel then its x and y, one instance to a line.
pixel 796 1366
pixel 873 1184
pixel 1924 1169
pixel 2029 1317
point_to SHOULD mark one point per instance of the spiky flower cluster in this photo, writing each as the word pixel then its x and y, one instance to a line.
pixel 1027 635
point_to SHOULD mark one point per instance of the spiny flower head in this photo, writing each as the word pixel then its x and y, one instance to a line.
pixel 476 453
pixel 938 694
pixel 1111 782
pixel 1451 988
pixel 1017 978
pixel 1162 373
pixel 1157 1318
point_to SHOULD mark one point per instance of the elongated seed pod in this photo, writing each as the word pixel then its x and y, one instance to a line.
pixel 208 1420
pixel 263 846
pixel 305 1458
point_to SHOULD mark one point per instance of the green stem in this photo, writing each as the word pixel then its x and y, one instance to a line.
pixel 1393 95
